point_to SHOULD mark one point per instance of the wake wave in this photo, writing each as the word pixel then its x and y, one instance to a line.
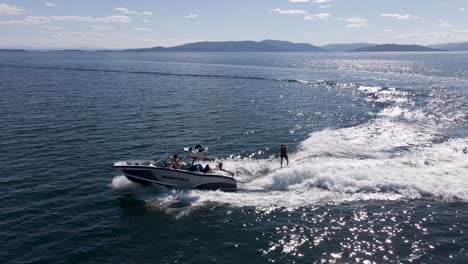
pixel 320 82
pixel 160 73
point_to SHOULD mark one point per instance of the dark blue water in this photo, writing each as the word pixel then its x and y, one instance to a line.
pixel 378 173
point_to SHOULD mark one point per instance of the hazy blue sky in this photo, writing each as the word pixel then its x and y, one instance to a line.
pixel 145 23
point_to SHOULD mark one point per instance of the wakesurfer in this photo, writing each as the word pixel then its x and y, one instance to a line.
pixel 284 155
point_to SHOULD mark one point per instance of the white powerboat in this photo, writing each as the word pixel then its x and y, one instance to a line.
pixel 188 175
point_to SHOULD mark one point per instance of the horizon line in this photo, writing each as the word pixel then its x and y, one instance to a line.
pixel 120 49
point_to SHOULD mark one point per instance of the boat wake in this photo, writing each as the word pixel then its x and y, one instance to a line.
pixel 400 154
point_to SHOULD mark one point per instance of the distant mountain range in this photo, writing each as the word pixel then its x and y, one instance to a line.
pixel 238 46
pixel 291 46
pixel 393 48
pixel 462 46
pixel 286 46
pixel 343 47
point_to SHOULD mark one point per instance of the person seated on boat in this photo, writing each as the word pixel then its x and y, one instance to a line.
pixel 207 169
pixel 175 162
pixel 196 167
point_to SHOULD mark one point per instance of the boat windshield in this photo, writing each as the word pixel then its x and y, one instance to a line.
pixel 162 162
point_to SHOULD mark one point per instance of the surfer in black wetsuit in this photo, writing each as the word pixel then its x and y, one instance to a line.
pixel 284 155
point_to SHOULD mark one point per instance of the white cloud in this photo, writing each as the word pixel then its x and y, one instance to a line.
pixel 6 9
pixel 146 21
pixel 120 9
pixel 317 16
pixel 432 37
pixel 72 18
pixel 445 24
pixel 107 19
pixel 13 23
pixel 400 16
pixel 338 18
pixel 356 22
pixel 453 28
pixel 36 20
pixel 462 9
pixel 141 29
pixel 298 1
pixel 57 36
pixel 460 30
pixel 27 21
pixel 191 16
pixel 325 6
pixel 124 10
pixel 113 19
pixel 50 4
pixel 388 30
pixel 52 27
pixel 288 12
pixel 83 40
pixel 92 36
pixel 409 36
pixel 97 27
pixel 322 1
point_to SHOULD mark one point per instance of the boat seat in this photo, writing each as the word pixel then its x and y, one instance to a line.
pixel 196 167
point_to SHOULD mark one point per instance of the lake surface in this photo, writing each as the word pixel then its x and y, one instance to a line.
pixel 378 157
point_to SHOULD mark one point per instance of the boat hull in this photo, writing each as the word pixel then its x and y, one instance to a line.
pixel 178 178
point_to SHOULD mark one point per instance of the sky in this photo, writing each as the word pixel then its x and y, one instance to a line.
pixel 117 24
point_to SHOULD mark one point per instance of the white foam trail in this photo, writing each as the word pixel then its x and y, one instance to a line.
pixel 263 200
pixel 382 156
pixel 122 183
pixel 438 171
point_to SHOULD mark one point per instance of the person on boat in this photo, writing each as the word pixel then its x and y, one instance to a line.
pixel 175 162
pixel 220 166
pixel 196 167
pixel 207 169
pixel 284 155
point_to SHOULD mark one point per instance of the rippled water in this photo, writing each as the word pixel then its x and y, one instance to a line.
pixel 378 173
